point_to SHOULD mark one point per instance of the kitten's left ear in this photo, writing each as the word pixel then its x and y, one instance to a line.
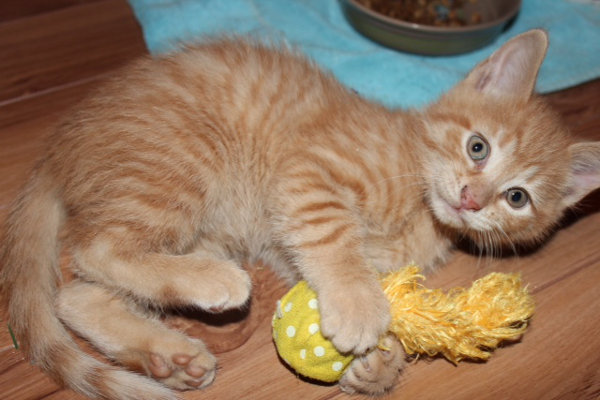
pixel 585 171
pixel 512 70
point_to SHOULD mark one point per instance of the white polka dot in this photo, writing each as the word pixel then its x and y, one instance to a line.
pixel 288 307
pixel 337 366
pixel 313 304
pixel 313 328
pixel 319 351
pixel 290 331
pixel 279 313
pixel 303 354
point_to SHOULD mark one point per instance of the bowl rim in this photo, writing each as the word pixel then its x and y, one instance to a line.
pixel 434 29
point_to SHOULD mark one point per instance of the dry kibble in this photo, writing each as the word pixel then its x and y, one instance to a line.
pixel 427 12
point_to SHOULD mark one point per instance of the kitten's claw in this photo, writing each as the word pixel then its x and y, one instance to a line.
pixel 376 372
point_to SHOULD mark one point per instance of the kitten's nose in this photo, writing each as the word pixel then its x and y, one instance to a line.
pixel 467 200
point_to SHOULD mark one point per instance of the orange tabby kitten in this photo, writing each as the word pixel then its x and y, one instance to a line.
pixel 181 168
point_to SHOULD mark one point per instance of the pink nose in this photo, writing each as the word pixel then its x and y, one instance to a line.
pixel 467 200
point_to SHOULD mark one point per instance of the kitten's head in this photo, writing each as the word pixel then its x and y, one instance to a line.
pixel 500 166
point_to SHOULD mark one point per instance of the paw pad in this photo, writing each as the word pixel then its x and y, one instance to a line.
pixel 181 371
pixel 158 367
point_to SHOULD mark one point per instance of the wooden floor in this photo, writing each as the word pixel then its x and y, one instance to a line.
pixel 53 52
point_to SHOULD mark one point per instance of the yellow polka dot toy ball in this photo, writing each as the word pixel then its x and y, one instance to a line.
pixel 458 324
pixel 297 335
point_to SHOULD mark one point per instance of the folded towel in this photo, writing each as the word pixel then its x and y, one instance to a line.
pixel 318 28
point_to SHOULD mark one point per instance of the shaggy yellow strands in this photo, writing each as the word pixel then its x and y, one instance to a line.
pixel 459 324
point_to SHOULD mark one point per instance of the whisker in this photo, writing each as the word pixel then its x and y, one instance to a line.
pixel 498 229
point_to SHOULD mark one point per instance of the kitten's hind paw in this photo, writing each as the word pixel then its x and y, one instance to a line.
pixel 188 368
pixel 376 372
pixel 182 371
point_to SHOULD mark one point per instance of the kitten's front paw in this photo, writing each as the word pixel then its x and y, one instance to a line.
pixel 376 372
pixel 354 317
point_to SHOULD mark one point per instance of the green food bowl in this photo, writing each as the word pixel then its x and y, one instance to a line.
pixel 419 38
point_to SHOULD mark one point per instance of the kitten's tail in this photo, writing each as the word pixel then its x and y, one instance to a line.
pixel 28 282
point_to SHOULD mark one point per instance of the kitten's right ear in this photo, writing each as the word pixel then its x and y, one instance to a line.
pixel 512 70
pixel 584 176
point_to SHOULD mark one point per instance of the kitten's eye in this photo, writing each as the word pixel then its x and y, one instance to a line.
pixel 517 197
pixel 478 148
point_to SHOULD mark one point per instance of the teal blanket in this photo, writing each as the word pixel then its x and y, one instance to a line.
pixel 319 29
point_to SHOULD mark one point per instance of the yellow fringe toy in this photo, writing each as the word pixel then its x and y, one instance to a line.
pixel 458 324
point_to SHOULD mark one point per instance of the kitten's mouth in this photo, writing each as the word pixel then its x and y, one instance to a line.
pixel 446 212
pixel 452 210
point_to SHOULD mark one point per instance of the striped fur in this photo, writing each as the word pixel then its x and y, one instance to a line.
pixel 181 168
